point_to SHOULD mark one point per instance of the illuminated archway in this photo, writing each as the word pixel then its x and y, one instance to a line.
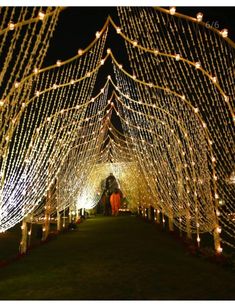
pixel 176 115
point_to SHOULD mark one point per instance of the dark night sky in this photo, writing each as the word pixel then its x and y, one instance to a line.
pixel 76 29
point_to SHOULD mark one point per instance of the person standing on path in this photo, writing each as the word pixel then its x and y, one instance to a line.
pixel 110 186
pixel 107 206
pixel 115 200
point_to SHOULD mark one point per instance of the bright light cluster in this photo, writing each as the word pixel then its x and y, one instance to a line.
pixel 127 175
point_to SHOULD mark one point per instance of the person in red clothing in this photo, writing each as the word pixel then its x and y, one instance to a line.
pixel 115 200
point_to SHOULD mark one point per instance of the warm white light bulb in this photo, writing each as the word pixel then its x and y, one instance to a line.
pixel 41 15
pixel 198 65
pixel 135 43
pixel 156 52
pixel 177 57
pixel 224 33
pixel 11 25
pixel 199 17
pixel 226 98
pixel 172 10
pixel 221 202
pixel 214 79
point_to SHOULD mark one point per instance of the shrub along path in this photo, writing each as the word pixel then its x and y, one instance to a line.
pixel 114 258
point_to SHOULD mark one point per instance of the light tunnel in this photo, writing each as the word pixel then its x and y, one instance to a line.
pixel 164 126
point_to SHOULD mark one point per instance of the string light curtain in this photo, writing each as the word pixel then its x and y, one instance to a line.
pixel 28 145
pixel 24 40
pixel 193 68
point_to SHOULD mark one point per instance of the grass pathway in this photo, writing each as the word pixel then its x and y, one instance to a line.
pixel 113 259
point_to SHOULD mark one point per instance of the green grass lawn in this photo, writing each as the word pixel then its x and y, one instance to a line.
pixel 9 243
pixel 10 240
pixel 110 258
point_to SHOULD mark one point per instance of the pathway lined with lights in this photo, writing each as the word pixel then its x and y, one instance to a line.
pixel 114 258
